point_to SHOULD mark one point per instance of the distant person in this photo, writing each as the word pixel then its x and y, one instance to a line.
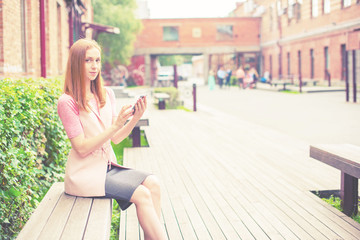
pixel 254 76
pixel 266 78
pixel 240 74
pixel 211 80
pixel 228 77
pixel 221 74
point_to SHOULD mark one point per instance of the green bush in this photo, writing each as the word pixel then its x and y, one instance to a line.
pixel 33 148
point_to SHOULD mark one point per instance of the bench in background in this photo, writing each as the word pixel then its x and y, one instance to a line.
pixel 346 158
pixel 281 82
pixel 61 216
pixel 161 97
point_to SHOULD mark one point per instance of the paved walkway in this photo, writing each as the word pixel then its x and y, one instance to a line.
pixel 323 117
pixel 228 174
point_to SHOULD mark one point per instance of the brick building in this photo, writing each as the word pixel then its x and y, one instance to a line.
pixel 35 36
pixel 222 41
pixel 307 38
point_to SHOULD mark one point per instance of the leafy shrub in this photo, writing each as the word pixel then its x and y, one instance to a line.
pixel 33 148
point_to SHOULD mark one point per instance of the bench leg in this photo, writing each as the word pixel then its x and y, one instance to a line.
pixel 136 137
pixel 349 194
pixel 161 104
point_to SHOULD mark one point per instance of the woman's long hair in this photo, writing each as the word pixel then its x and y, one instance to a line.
pixel 75 75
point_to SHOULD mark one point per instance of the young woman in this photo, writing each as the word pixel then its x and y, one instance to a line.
pixel 87 111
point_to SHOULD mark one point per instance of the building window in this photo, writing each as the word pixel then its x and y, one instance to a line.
pixel 326 61
pixel 59 39
pixel 196 32
pixel 170 33
pixel 346 3
pixel 326 6
pixel 288 64
pixel 270 65
pixel 224 32
pixel 312 64
pixel 271 18
pixel 299 63
pixel 343 61
pixel 23 35
pixel 297 11
pixel 280 65
pixel 294 9
pixel 314 8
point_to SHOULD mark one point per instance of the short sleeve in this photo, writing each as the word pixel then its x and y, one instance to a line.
pixel 69 114
pixel 112 101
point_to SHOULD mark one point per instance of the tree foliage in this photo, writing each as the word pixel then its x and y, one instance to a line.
pixel 117 13
pixel 170 60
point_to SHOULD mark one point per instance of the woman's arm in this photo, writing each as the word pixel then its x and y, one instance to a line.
pixel 84 146
pixel 121 134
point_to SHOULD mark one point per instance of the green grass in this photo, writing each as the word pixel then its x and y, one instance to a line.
pixel 184 108
pixel 127 143
pixel 290 91
pixel 336 202
pixel 119 152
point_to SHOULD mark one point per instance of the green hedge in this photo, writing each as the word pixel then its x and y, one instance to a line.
pixel 33 148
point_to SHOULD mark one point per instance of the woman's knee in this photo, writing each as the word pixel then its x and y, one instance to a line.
pixel 153 184
pixel 141 195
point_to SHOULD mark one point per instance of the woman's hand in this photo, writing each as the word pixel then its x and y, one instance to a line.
pixel 124 114
pixel 140 107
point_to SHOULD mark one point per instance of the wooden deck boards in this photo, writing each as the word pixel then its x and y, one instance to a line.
pixel 223 178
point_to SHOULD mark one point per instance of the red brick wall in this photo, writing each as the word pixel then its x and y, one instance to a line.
pixel 12 37
pixel 1 37
pixel 57 37
pixel 245 32
pixel 326 30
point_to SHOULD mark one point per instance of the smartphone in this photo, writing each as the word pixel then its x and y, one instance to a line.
pixel 141 97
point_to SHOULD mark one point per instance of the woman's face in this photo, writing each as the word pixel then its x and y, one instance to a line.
pixel 92 63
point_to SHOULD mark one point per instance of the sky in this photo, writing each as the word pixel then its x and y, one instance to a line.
pixel 190 8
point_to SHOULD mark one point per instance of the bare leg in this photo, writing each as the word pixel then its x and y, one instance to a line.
pixel 152 183
pixel 147 215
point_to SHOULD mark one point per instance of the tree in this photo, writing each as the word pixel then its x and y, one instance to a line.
pixel 117 13
pixel 169 60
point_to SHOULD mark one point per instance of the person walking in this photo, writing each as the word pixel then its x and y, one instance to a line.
pixel 240 74
pixel 228 77
pixel 221 74
pixel 88 113
pixel 211 80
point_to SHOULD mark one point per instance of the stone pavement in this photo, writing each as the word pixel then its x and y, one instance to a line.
pixel 323 117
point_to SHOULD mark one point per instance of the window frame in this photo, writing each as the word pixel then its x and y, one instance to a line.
pixel 165 35
pixel 219 34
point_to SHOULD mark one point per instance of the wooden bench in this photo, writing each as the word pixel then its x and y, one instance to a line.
pixel 281 82
pixel 136 133
pixel 346 158
pixel 61 216
pixel 310 82
pixel 161 97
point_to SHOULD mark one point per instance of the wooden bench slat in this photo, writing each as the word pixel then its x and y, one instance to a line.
pixel 39 218
pixel 77 221
pixel 57 221
pixel 345 157
pixel 99 223
pixel 122 228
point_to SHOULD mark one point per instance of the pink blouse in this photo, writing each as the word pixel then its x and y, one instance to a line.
pixel 69 113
